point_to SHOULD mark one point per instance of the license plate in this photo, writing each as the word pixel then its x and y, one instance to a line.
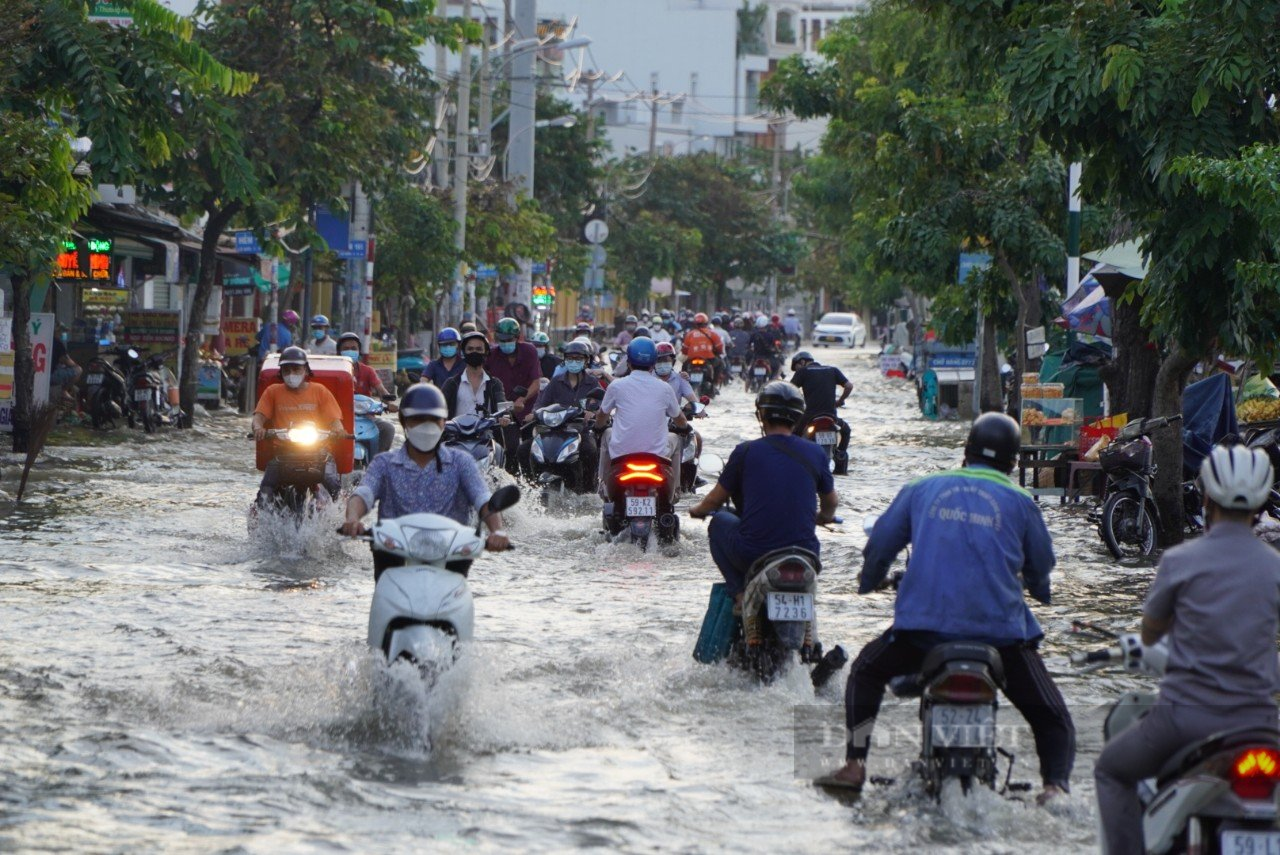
pixel 1250 842
pixel 789 607
pixel 829 338
pixel 963 726
pixel 759 372
pixel 825 437
pixel 141 394
pixel 695 377
pixel 642 506
pixel 93 379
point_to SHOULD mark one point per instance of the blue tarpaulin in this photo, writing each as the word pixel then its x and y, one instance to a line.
pixel 1208 415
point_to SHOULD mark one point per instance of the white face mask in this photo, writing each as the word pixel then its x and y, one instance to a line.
pixel 424 437
pixel 293 381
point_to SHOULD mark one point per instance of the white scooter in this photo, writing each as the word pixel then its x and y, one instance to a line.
pixel 423 610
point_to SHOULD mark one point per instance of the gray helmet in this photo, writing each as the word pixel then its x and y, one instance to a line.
pixel 780 401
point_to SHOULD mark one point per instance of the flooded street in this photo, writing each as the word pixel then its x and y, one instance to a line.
pixel 168 684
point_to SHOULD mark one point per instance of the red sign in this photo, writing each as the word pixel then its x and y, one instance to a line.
pixel 69 263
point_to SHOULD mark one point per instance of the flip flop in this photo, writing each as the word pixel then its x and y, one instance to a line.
pixel 831 782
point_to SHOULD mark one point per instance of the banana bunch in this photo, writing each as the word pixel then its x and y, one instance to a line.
pixel 1260 410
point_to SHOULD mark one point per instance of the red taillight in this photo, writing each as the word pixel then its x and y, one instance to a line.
pixel 1255 772
pixel 641 472
pixel 962 689
pixel 791 574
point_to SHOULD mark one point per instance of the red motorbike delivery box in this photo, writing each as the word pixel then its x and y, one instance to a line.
pixel 335 373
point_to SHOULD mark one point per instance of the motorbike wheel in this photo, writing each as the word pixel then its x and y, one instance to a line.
pixel 1127 526
pixel 148 420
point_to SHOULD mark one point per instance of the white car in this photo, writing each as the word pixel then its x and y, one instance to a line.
pixel 840 328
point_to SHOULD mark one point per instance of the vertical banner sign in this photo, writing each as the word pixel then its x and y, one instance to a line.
pixel 382 358
pixel 6 361
pixel 41 330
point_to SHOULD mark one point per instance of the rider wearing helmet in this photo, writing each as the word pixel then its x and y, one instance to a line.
pixel 273 338
pixel 702 342
pixel 569 387
pixel 449 363
pixel 1215 601
pixel 515 363
pixel 423 476
pixel 473 391
pixel 368 383
pixel 629 324
pixel 291 403
pixel 978 540
pixel 548 361
pixel 819 382
pixel 771 482
pixel 763 344
pixel 791 327
pixel 665 368
pixel 641 405
pixel 321 343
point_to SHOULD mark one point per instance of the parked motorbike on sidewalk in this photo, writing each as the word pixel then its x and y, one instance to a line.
pixel 1216 795
pixel 1130 523
pixel 150 382
pixel 103 396
pixel 422 612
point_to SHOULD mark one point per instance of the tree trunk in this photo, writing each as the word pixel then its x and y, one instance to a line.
pixel 991 398
pixel 1167 451
pixel 216 225
pixel 24 370
pixel 1020 332
pixel 1131 375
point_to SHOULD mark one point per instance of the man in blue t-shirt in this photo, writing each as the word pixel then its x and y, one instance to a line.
pixel 773 482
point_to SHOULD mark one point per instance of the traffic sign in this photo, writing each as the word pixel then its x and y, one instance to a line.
pixel 596 231
pixel 486 271
pixel 356 249
pixel 247 243
pixel 598 255
pixel 539 268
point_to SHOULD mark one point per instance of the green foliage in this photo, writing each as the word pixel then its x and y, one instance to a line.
pixel 39 196
pixel 499 233
pixel 751 39
pixel 415 244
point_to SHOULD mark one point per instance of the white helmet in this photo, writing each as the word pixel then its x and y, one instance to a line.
pixel 1237 478
pixel 762 322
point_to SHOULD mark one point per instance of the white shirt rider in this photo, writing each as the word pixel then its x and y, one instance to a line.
pixel 641 405
pixel 471 400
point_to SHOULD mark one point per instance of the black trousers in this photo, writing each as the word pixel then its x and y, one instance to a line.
pixel 1028 687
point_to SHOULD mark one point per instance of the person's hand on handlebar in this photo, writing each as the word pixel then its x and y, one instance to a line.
pixel 353 528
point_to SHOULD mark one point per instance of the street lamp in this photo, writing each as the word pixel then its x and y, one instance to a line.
pixel 557 122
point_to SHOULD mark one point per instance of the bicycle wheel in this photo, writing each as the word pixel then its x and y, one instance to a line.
pixel 1127 527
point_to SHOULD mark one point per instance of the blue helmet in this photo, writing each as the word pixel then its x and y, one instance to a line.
pixel 319 321
pixel 642 353
pixel 448 334
pixel 423 399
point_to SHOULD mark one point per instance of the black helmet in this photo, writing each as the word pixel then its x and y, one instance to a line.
pixel 294 356
pixel 802 356
pixel 779 401
pixel 350 336
pixel 476 334
pixel 994 441
pixel 577 348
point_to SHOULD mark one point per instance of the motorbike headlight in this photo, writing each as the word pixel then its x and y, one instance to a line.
pixel 305 435
pixel 429 545
pixel 554 418
pixel 570 449
pixel 537 453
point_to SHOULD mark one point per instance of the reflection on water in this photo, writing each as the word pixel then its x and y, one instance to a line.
pixel 168 682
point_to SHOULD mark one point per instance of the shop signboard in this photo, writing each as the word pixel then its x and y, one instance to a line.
pixel 41 331
pixel 154 329
pixel 241 333
pixel 382 358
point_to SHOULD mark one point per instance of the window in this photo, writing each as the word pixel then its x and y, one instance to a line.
pixel 677 112
pixel 816 34
pixel 784 30
pixel 751 98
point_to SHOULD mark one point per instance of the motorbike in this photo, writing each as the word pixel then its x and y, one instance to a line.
pixel 148 397
pixel 422 611
pixel 690 447
pixel 701 376
pixel 825 431
pixel 1130 523
pixel 758 376
pixel 103 395
pixel 366 429
pixel 409 367
pixel 1216 795
pixel 639 500
pixel 475 433
pixel 233 372
pixel 302 451
pixel 555 454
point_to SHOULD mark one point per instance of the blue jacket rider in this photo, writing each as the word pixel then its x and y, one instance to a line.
pixel 979 539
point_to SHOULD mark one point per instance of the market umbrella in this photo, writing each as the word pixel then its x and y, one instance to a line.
pixel 1088 311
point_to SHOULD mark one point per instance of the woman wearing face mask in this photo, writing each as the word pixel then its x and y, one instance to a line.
pixel 369 384
pixel 665 368
pixel 423 477
pixel 449 363
pixel 568 388
pixel 294 402
pixel 548 360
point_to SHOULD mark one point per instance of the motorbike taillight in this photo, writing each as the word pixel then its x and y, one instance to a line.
pixel 962 689
pixel 791 574
pixel 1255 772
pixel 641 472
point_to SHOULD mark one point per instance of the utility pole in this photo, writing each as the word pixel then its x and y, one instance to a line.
pixel 779 138
pixel 591 78
pixel 461 140
pixel 653 115
pixel 524 93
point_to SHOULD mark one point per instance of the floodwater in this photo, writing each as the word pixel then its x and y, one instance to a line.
pixel 169 684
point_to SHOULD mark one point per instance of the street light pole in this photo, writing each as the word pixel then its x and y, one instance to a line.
pixel 461 142
pixel 520 128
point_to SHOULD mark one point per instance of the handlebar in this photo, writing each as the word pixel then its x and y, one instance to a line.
pixel 1095 657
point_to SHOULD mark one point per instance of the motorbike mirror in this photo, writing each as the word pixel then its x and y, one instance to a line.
pixel 503 498
pixel 388 398
pixel 504 407
pixel 710 464
pixel 133 354
pixel 869 522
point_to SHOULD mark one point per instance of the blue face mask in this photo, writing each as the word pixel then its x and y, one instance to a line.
pixel 319 334
pixel 574 366
pixel 664 369
pixel 507 347
pixel 448 350
pixel 353 355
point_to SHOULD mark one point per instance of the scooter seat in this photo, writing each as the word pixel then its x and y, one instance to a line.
pixel 1198 752
pixel 764 560
pixel 963 651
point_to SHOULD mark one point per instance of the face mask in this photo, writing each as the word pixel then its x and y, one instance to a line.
pixel 574 366
pixel 631 327
pixel 293 381
pixel 474 359
pixel 353 355
pixel 448 351
pixel 663 369
pixel 541 351
pixel 63 337
pixel 507 347
pixel 319 334
pixel 424 437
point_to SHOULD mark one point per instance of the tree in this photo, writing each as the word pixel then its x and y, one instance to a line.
pixel 416 249
pixel 500 233
pixel 62 76
pixel 1133 88
pixel 565 163
pixel 342 95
